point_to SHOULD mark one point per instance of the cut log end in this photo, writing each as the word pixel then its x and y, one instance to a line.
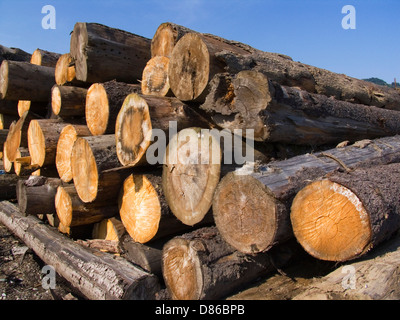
pixel 245 213
pixel 55 100
pixel 37 57
pixel 191 174
pixel 3 79
pixel 23 106
pixel 182 270
pixel 84 171
pixel 63 204
pixel 97 109
pixel 163 41
pixel 133 130
pixel 109 229
pixel 36 143
pixel 155 77
pixel 330 222
pixel 140 208
pixel 64 73
pixel 189 67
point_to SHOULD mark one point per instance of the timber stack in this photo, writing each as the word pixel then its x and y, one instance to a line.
pixel 203 163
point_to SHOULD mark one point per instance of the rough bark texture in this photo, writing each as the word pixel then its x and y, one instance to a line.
pixel 14 54
pixel 252 210
pixel 102 53
pixel 97 276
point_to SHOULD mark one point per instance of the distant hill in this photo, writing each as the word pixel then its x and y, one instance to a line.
pixel 381 82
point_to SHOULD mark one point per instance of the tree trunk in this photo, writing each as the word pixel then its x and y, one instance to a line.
pixel 25 81
pixel 13 54
pixel 202 266
pixel 43 137
pixel 252 211
pixel 138 119
pixel 363 211
pixel 65 72
pixel 102 53
pixel 65 144
pixel 36 195
pixel 144 210
pixel 191 173
pixel 68 102
pixel 289 115
pixel 45 58
pixel 96 276
pixel 166 37
pixel 155 79
pixel 103 103
pixel 73 212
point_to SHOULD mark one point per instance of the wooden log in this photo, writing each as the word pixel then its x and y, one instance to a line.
pixel 103 102
pixel 102 53
pixel 144 211
pixel 39 109
pixel 65 144
pixel 25 81
pixel 8 184
pixel 36 195
pixel 3 137
pixel 252 210
pixel 73 212
pixel 45 58
pixel 284 114
pixel 22 164
pixel 166 37
pixel 111 229
pixel 201 266
pixel 138 118
pixel 13 54
pixel 7 163
pixel 191 174
pixel 68 102
pixel 43 137
pixel 9 107
pixel 155 79
pixel 96 276
pixel 345 215
pixel 65 72
pixel 17 136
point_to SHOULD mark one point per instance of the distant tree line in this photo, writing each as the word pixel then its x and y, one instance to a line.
pixel 381 82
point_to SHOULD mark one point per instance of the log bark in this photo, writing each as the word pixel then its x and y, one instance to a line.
pixel 73 212
pixel 166 37
pixel 65 72
pixel 36 195
pixel 25 81
pixel 43 137
pixel 68 102
pixel 45 58
pixel 65 144
pixel 97 276
pixel 202 266
pixel 191 174
pixel 284 114
pixel 252 210
pixel 137 120
pixel 362 211
pixel 39 109
pixel 8 184
pixel 155 79
pixel 14 54
pixel 103 102
pixel 22 163
pixel 144 210
pixel 102 53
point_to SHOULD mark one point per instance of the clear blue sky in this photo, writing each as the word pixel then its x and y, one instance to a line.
pixel 309 31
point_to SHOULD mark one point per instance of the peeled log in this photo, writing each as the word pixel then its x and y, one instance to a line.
pixel 25 81
pixel 102 53
pixel 68 101
pixel 65 144
pixel 347 214
pixel 139 118
pixel 103 102
pixel 73 212
pixel 45 58
pixel 43 137
pixel 201 266
pixel 252 211
pixel 155 79
pixel 289 115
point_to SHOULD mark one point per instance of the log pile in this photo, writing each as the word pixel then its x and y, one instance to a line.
pixel 202 161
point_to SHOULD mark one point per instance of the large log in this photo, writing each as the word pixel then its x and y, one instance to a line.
pixel 345 215
pixel 68 102
pixel 45 58
pixel 17 136
pixel 97 276
pixel 102 53
pixel 25 81
pixel 252 210
pixel 65 72
pixel 193 61
pixel 14 54
pixel 137 120
pixel 103 102
pixel 201 266
pixel 284 114
pixel 155 79
pixel 65 144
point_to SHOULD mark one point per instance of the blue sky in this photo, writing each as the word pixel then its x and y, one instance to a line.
pixel 309 31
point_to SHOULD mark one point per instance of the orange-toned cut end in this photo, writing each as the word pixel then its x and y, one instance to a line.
pixel 155 79
pixel 163 41
pixel 330 222
pixel 97 109
pixel 36 144
pixel 65 145
pixel 63 205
